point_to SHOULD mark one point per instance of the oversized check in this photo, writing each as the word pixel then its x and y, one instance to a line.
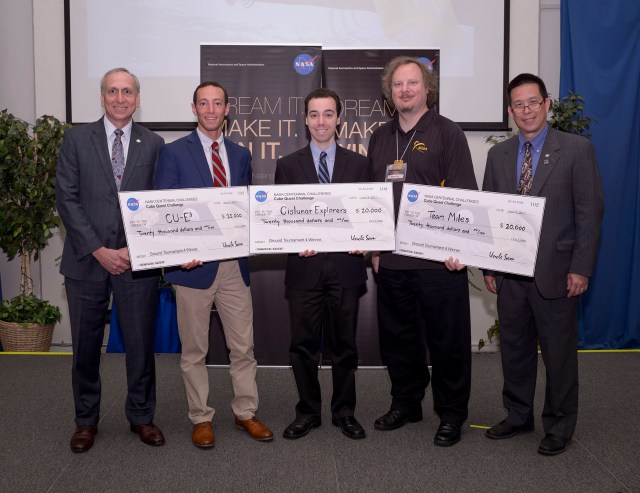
pixel 172 227
pixel 494 231
pixel 336 217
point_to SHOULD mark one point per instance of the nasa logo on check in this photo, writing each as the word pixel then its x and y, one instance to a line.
pixel 412 196
pixel 133 204
pixel 261 195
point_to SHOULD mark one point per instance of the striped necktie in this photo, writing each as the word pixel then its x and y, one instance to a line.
pixel 323 170
pixel 219 174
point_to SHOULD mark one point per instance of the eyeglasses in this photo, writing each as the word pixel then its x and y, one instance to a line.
pixel 519 107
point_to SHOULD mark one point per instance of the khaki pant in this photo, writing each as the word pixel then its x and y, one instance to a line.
pixel 233 302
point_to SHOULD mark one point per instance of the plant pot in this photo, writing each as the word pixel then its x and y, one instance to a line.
pixel 16 337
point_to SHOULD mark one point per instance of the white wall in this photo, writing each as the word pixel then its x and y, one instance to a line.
pixel 32 63
pixel 549 65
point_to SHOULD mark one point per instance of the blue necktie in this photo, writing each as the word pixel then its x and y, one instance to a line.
pixel 323 170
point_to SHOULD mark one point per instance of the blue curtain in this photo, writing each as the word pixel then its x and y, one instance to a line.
pixel 166 339
pixel 600 51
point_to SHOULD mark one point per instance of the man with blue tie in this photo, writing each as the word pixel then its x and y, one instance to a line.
pixel 315 280
pixel 205 158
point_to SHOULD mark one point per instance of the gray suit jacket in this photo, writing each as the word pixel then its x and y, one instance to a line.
pixel 87 197
pixel 567 176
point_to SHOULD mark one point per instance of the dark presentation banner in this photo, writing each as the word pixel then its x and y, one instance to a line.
pixel 355 74
pixel 267 86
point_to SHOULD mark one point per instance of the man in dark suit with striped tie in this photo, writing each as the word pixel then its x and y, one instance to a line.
pixel 315 280
pixel 205 158
pixel 562 168
pixel 95 161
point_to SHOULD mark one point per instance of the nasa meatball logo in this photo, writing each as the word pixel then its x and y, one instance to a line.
pixel 427 62
pixel 261 195
pixel 412 196
pixel 304 64
pixel 133 204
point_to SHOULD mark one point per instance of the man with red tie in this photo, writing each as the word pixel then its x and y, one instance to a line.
pixel 205 158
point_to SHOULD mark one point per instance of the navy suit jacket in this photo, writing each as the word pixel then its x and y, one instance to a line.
pixel 298 168
pixel 567 176
pixel 182 164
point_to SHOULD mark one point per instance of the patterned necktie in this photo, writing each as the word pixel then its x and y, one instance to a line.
pixel 526 175
pixel 323 170
pixel 117 157
pixel 219 174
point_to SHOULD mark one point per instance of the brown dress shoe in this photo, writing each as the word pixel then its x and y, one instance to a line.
pixel 203 435
pixel 149 434
pixel 83 437
pixel 256 429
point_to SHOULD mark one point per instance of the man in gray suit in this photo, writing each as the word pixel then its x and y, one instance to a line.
pixel 562 168
pixel 95 161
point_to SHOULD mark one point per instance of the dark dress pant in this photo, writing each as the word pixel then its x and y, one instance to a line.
pixel 136 303
pixel 419 310
pixel 307 307
pixel 526 318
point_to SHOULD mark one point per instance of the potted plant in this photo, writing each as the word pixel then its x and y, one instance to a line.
pixel 28 156
pixel 567 115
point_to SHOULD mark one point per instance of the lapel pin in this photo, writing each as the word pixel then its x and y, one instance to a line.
pixel 138 141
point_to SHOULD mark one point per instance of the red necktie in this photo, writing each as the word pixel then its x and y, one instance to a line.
pixel 219 174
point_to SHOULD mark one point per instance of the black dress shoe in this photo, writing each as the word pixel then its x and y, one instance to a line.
pixel 505 430
pixel 448 434
pixel 301 426
pixel 83 438
pixel 349 426
pixel 553 444
pixel 395 419
pixel 149 434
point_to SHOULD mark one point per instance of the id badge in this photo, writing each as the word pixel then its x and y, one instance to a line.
pixel 396 171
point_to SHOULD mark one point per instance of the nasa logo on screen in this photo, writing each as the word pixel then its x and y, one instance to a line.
pixel 133 204
pixel 304 64
pixel 261 195
pixel 412 196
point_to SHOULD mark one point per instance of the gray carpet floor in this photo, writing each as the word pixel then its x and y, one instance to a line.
pixel 36 424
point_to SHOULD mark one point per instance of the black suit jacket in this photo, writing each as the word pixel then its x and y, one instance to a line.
pixel 298 168
pixel 567 176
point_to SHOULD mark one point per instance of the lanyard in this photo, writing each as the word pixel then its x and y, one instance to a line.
pixel 399 159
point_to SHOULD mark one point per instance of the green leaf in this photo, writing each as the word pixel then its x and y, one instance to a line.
pixel 28 159
pixel 29 309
